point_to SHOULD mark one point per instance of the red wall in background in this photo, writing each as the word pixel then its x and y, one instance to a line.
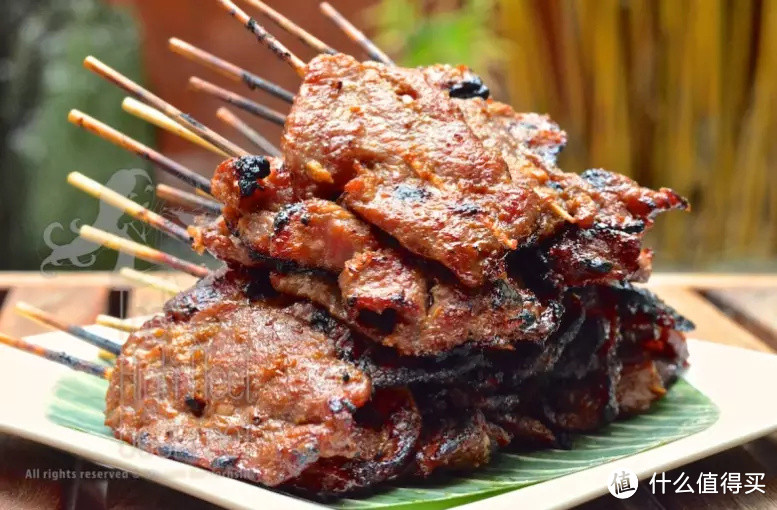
pixel 204 24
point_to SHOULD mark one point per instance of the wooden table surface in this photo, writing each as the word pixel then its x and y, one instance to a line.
pixel 731 309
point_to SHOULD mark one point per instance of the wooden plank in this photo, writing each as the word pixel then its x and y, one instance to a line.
pixel 711 323
pixel 145 301
pixel 9 279
pixel 756 309
pixel 74 304
pixel 704 281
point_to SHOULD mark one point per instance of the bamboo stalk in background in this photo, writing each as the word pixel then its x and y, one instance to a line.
pixel 678 93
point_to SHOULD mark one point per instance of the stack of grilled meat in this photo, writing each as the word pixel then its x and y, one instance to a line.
pixel 411 287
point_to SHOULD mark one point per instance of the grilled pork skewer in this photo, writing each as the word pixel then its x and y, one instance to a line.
pixel 477 213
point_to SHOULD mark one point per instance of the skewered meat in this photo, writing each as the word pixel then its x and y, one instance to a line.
pixel 234 379
pixel 381 292
pixel 411 287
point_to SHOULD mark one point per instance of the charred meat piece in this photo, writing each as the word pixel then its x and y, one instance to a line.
pixel 389 428
pixel 500 316
pixel 456 444
pixel 407 160
pixel 243 381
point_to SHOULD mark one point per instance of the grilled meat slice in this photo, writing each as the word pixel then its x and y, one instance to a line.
pixel 408 173
pixel 499 316
pixel 390 426
pixel 458 443
pixel 492 120
pixel 239 387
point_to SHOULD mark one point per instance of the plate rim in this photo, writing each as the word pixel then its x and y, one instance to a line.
pixel 236 494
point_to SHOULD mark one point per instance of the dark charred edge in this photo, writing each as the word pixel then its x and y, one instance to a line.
pixel 191 120
pixel 284 265
pixel 284 216
pixel 469 88
pixel 196 405
pixel 256 109
pixel 224 462
pixel 262 35
pixel 255 82
pixel 638 299
pixel 249 170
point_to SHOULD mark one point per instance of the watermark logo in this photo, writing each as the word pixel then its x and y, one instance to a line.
pixel 622 483
pixel 129 183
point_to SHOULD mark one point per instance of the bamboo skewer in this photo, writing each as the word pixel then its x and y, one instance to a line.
pixel 355 34
pixel 292 28
pixel 166 108
pixel 237 100
pixel 265 37
pixel 141 251
pixel 189 201
pixel 58 357
pixel 148 280
pixel 30 312
pixel 134 209
pixel 160 120
pixel 228 69
pixel 253 136
pixel 110 321
pixel 168 165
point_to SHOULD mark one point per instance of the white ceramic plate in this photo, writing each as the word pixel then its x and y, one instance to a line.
pixel 734 379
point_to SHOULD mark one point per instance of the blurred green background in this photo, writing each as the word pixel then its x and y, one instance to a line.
pixel 676 93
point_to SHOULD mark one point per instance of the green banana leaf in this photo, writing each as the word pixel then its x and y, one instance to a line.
pixel 78 403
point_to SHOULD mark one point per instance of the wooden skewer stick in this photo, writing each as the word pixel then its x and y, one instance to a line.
pixel 355 34
pixel 253 136
pixel 36 314
pixel 123 203
pixel 58 357
pixel 116 137
pixel 148 280
pixel 147 97
pixel 237 100
pixel 229 69
pixel 160 120
pixel 292 28
pixel 557 209
pixel 141 251
pixel 188 201
pixel 110 321
pixel 264 36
